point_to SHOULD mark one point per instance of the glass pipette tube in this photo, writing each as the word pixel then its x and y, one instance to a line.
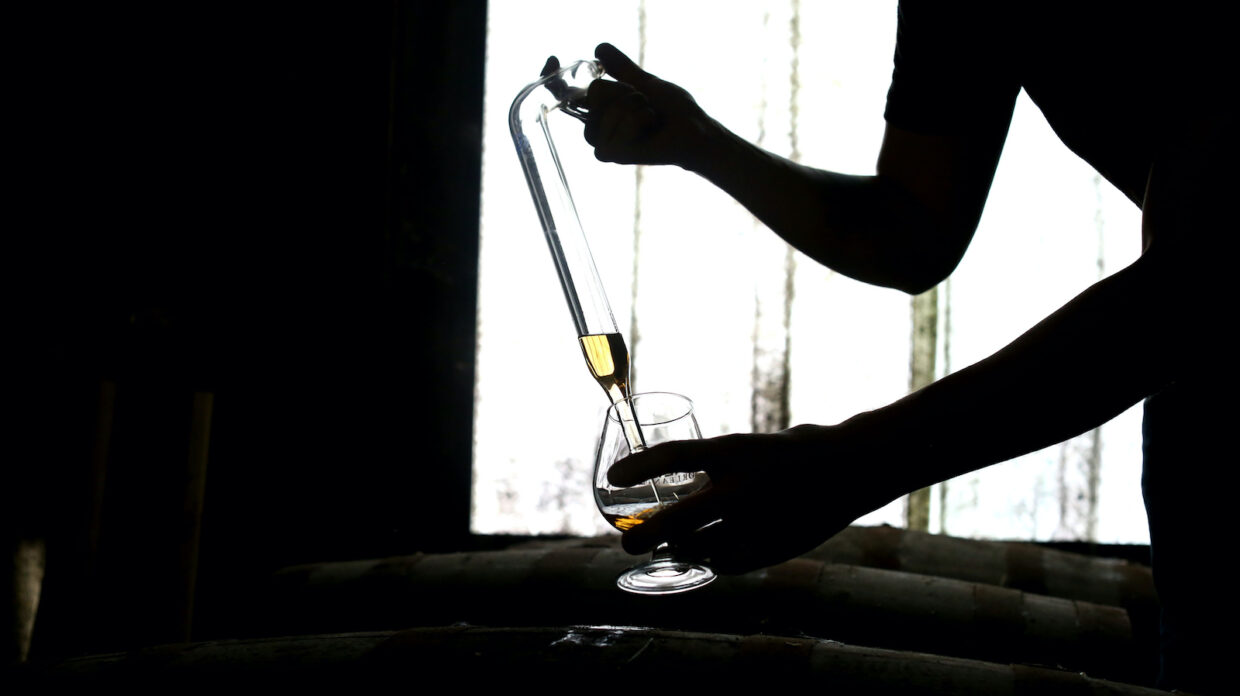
pixel 560 94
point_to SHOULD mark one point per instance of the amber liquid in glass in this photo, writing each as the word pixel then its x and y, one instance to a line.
pixel 627 516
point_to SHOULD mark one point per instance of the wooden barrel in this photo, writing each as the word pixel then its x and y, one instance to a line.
pixel 576 585
pixel 574 657
pixel 1022 566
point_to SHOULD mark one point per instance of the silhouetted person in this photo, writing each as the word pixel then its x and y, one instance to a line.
pixel 1134 89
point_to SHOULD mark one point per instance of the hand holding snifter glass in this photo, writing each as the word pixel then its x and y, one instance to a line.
pixel 662 417
pixel 633 421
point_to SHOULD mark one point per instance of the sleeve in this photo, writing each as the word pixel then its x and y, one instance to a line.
pixel 952 71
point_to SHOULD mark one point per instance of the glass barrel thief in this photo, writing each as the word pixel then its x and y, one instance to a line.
pixel 560 94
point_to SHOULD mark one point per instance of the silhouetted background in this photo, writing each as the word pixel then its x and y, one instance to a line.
pixel 259 217
pixel 273 204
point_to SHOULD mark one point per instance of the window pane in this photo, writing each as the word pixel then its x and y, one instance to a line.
pixel 705 305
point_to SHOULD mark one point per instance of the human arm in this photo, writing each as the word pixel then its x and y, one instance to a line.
pixel 1126 337
pixel 779 495
pixel 905 227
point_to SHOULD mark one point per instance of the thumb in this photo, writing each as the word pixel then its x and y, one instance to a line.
pixel 621 67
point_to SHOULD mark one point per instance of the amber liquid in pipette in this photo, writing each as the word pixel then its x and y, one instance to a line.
pixel 608 358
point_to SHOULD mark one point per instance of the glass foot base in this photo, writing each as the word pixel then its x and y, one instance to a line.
pixel 664 576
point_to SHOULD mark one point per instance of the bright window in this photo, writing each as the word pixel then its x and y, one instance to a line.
pixel 714 305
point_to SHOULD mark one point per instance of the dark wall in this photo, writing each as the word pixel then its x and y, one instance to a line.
pixel 276 204
pixel 359 186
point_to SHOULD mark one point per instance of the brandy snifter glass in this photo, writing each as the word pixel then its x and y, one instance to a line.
pixel 661 417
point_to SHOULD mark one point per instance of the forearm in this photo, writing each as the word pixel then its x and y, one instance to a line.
pixel 1117 342
pixel 866 227
pixel 904 227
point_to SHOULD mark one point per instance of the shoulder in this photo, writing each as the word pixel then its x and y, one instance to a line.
pixel 951 69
